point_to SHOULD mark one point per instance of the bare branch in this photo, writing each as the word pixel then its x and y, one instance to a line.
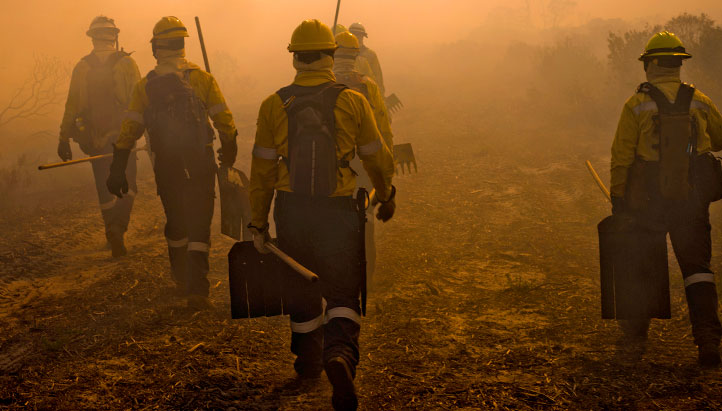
pixel 41 90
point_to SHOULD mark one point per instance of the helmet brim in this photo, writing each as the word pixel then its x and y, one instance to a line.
pixel 683 56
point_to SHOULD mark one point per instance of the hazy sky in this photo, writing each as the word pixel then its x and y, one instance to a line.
pixel 257 31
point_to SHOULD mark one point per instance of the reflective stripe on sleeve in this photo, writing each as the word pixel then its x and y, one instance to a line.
pixel 198 246
pixel 217 109
pixel 370 148
pixel 308 326
pixel 646 106
pixel 699 278
pixel 699 105
pixel 342 312
pixel 265 152
pixel 183 242
pixel 134 116
pixel 108 205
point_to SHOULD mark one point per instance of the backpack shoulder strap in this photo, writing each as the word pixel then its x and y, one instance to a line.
pixel 683 102
pixel 330 94
pixel 114 58
pixel 286 93
pixel 92 60
pixel 663 104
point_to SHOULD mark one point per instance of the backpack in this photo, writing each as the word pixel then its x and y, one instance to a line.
pixel 176 118
pixel 677 130
pixel 104 114
pixel 312 162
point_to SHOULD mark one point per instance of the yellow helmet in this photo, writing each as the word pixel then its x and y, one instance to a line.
pixel 340 28
pixel 664 44
pixel 347 40
pixel 101 26
pixel 358 29
pixel 312 35
pixel 169 27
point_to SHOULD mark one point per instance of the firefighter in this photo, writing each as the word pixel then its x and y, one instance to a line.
pixel 307 133
pixel 100 90
pixel 662 173
pixel 173 103
pixel 344 67
pixel 369 56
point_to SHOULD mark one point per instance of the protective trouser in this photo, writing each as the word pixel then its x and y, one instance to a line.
pixel 187 190
pixel 689 230
pixel 116 211
pixel 323 235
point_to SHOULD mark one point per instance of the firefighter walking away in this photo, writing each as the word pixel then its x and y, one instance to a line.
pixel 173 103
pixel 307 134
pixel 100 90
pixel 664 178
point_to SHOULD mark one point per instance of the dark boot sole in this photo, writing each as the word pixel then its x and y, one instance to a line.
pixel 344 391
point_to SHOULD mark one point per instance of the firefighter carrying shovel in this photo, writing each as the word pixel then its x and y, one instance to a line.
pixel 663 178
pixel 307 134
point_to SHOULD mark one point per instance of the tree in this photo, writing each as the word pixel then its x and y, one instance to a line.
pixel 40 91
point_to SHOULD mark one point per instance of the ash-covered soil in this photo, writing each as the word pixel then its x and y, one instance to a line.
pixel 486 296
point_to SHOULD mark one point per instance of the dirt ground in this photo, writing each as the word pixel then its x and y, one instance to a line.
pixel 486 297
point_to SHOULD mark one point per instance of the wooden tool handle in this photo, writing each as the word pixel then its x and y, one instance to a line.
pixel 596 178
pixel 71 162
pixel 305 272
pixel 84 160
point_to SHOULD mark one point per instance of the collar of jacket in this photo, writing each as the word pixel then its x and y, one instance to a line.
pixel 171 61
pixel 314 78
pixel 657 74
pixel 344 65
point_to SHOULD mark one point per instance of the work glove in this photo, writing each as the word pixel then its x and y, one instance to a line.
pixel 64 151
pixel 117 182
pixel 618 205
pixel 387 208
pixel 227 152
pixel 260 237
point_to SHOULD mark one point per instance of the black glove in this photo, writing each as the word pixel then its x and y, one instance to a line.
pixel 64 151
pixel 618 205
pixel 387 208
pixel 227 152
pixel 117 183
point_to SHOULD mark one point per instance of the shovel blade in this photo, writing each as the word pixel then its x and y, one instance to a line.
pixel 634 272
pixel 393 103
pixel 404 158
pixel 255 281
pixel 235 203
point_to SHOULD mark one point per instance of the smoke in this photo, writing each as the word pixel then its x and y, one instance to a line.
pixel 454 59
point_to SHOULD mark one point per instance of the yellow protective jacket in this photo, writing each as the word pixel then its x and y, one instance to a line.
pixel 636 136
pixel 376 100
pixel 203 84
pixel 126 75
pixel 373 62
pixel 356 132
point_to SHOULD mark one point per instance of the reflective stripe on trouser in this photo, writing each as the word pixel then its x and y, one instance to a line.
pixel 321 234
pixel 115 211
pixel 188 206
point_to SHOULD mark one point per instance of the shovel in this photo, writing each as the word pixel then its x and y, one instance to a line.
pixel 257 280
